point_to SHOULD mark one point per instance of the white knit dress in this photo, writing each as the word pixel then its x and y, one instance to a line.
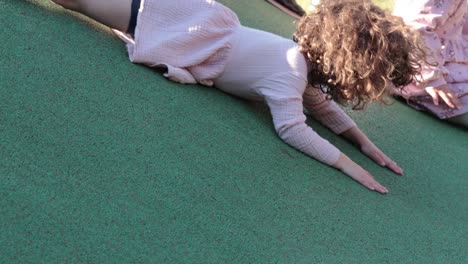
pixel 202 41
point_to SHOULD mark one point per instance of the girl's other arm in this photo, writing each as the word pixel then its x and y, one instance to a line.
pixel 327 112
pixel 289 121
pixel 356 136
pixel 332 116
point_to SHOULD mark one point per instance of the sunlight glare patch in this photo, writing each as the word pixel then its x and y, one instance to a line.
pixel 194 28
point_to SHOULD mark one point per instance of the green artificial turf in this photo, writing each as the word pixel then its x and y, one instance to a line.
pixel 104 161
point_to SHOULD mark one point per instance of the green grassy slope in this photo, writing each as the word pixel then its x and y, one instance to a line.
pixel 103 161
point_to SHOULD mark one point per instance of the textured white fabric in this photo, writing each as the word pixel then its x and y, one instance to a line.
pixel 191 38
pixel 202 41
pixel 268 67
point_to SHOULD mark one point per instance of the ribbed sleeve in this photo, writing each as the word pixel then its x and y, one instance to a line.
pixel 326 112
pixel 284 98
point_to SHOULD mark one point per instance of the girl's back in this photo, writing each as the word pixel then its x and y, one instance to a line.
pixel 261 59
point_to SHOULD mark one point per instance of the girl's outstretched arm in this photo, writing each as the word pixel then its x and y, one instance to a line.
pixel 332 116
pixel 286 106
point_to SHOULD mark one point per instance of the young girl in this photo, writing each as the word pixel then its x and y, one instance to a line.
pixel 350 51
pixel 443 89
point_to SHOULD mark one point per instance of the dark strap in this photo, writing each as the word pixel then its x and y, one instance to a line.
pixel 133 17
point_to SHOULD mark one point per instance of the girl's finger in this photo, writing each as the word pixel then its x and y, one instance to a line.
pixel 390 164
pixel 446 99
pixel 378 158
pixel 455 100
pixel 395 168
pixel 379 188
pixel 370 183
pixel 433 94
pixel 382 190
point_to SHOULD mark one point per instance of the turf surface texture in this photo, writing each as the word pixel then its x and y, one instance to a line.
pixel 104 161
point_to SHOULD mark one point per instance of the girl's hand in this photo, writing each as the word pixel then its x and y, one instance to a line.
pixel 446 94
pixel 350 168
pixel 373 152
pixel 356 136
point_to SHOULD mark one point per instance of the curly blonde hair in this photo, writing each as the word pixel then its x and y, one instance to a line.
pixel 358 52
